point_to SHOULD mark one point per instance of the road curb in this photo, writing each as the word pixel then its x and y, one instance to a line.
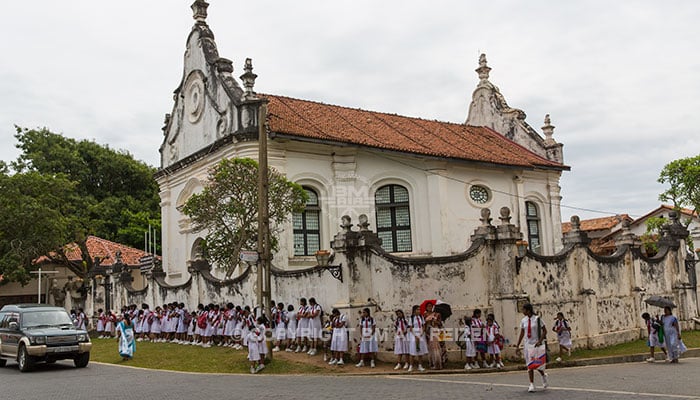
pixel 628 358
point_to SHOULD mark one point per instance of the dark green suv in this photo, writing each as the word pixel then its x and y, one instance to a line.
pixel 31 333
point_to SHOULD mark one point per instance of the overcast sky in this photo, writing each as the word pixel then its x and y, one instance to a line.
pixel 621 79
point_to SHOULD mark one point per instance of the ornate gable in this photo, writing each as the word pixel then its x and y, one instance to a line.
pixel 489 108
pixel 208 104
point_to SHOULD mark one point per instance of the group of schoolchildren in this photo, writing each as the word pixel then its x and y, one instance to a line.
pixel 664 332
pixel 301 329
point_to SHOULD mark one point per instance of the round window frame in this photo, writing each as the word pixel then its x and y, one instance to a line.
pixel 489 195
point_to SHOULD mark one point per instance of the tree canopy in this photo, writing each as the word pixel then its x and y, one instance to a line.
pixel 683 177
pixel 227 209
pixel 60 190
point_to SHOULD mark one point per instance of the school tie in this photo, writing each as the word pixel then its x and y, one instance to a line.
pixel 529 327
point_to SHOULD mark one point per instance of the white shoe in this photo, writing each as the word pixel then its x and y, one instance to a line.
pixel 651 359
pixel 558 359
pixel 410 368
pixel 499 365
pixel 467 366
pixel 252 370
pixel 340 362
pixel 544 381
pixel 397 367
pixel 360 364
pixel 405 366
pixel 305 349
pixel 371 364
pixel 289 350
pixel 325 357
pixel 332 361
pixel 476 365
pixel 260 367
pixel 420 368
pixel 276 348
pixel 531 388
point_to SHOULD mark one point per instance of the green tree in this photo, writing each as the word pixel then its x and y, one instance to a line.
pixel 683 177
pixel 227 209
pixel 37 218
pixel 107 193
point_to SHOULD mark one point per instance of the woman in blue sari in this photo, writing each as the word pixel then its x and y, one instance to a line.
pixel 672 335
pixel 127 342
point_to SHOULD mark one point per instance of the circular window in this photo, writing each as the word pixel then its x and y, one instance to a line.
pixel 479 194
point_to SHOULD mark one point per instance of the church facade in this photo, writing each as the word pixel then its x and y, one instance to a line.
pixel 421 183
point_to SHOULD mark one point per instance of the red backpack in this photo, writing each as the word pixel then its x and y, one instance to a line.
pixel 202 321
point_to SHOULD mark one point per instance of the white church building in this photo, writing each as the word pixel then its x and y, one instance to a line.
pixel 422 183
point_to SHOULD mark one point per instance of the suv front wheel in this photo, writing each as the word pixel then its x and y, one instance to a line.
pixel 82 360
pixel 25 361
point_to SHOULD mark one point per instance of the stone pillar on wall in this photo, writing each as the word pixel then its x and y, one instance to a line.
pixel 345 243
pixel 504 296
pixel 673 239
pixel 587 280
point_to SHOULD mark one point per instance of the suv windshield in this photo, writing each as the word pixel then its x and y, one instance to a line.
pixel 36 319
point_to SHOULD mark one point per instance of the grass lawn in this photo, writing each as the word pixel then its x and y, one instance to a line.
pixel 690 338
pixel 176 357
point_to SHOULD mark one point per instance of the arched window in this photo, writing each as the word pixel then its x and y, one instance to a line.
pixel 393 218
pixel 307 233
pixel 533 226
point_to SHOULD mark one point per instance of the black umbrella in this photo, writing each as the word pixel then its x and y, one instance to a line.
pixel 444 309
pixel 659 301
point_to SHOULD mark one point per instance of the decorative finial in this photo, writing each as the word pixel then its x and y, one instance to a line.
pixel 248 79
pixel 505 215
pixel 548 130
pixel 575 223
pixel 485 217
pixel 483 69
pixel 364 223
pixel 199 8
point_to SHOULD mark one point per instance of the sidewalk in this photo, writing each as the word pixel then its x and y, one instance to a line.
pixel 384 368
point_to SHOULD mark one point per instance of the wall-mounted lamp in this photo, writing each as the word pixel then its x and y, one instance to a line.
pixel 521 245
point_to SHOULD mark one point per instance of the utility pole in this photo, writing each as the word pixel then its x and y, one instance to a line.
pixel 264 290
pixel 39 272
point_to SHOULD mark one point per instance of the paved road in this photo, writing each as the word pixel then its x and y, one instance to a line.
pixel 618 381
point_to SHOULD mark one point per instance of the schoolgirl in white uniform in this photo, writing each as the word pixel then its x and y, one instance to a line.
pixel 280 318
pixel 368 343
pixel 262 344
pixel 155 325
pixel 493 337
pixel 469 349
pixel 100 323
pixel 291 328
pixel 248 324
pixel 302 327
pixel 401 346
pixel 478 338
pixel 229 324
pixel 254 337
pixel 339 340
pixel 238 337
pixel 181 328
pixel 418 346
pixel 110 320
pixel 315 325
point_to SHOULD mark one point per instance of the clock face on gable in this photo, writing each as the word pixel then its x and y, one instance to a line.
pixel 194 98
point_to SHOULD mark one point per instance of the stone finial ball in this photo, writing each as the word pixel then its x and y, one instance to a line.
pixel 505 212
pixel 485 213
pixel 363 218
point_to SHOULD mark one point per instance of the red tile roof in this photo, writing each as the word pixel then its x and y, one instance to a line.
pixel 104 249
pixel 336 124
pixel 597 224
